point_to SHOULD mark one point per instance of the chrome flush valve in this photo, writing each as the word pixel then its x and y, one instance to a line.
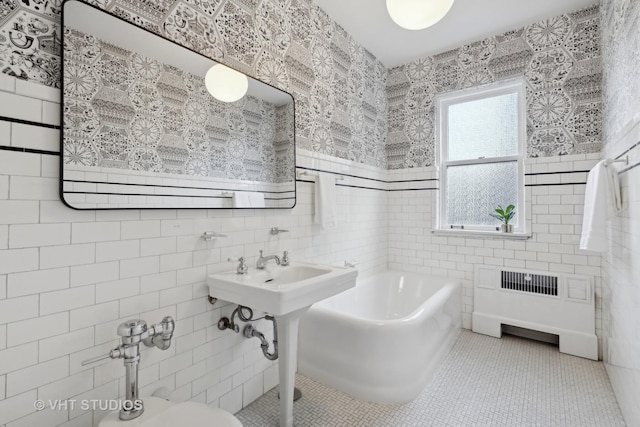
pixel 132 332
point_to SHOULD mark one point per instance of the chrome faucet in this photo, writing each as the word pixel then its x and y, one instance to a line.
pixel 261 264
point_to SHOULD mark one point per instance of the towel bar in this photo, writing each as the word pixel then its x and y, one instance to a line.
pixel 624 160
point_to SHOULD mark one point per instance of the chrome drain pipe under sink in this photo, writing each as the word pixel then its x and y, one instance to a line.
pixel 246 315
pixel 249 331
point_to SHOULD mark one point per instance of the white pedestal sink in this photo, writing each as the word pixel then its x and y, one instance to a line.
pixel 285 292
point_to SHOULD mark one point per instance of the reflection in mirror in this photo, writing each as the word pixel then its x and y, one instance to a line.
pixel 142 130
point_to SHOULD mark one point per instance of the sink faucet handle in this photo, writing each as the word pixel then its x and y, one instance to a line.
pixel 242 268
pixel 285 259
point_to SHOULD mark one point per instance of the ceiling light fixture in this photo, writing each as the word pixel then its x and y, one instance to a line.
pixel 226 84
pixel 418 14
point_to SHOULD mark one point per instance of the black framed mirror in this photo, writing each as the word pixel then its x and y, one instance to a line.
pixel 141 129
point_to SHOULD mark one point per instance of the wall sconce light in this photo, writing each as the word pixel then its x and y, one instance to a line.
pixel 418 14
pixel 226 84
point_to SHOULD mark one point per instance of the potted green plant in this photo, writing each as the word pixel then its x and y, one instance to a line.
pixel 505 215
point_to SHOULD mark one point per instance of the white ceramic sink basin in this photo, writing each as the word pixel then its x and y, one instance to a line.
pixel 295 273
pixel 281 290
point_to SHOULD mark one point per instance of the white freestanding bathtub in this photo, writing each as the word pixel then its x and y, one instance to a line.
pixel 381 340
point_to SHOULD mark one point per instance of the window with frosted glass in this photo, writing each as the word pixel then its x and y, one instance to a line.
pixel 481 149
pixel 484 128
pixel 475 190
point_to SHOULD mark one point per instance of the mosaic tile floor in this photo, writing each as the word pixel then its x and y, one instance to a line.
pixel 483 381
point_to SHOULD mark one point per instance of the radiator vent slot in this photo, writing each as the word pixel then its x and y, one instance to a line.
pixel 531 283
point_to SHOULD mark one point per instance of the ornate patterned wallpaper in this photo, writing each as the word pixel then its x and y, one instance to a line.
pixel 560 61
pixel 621 37
pixel 339 87
pixel 341 105
pixel 128 111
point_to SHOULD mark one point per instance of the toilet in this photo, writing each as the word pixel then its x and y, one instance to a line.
pixel 162 413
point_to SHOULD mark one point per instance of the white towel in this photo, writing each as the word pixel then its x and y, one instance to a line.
pixel 241 199
pixel 601 195
pixel 256 200
pixel 325 201
pixel 248 199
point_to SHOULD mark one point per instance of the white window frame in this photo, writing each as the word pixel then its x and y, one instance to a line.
pixel 443 102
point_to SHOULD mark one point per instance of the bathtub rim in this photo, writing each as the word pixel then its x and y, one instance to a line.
pixel 454 285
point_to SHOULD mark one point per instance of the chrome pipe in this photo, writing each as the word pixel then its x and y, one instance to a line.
pixel 250 332
pixel 160 334
pixel 132 407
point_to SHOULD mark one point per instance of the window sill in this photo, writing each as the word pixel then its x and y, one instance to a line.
pixel 477 233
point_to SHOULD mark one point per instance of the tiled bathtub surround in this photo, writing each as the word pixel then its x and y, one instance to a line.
pixel 621 263
pixel 554 198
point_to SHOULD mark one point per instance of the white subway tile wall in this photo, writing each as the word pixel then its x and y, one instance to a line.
pixel 68 278
pixel 34 137
pixel 554 209
pixel 621 262
pixel 20 107
pixel 621 268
